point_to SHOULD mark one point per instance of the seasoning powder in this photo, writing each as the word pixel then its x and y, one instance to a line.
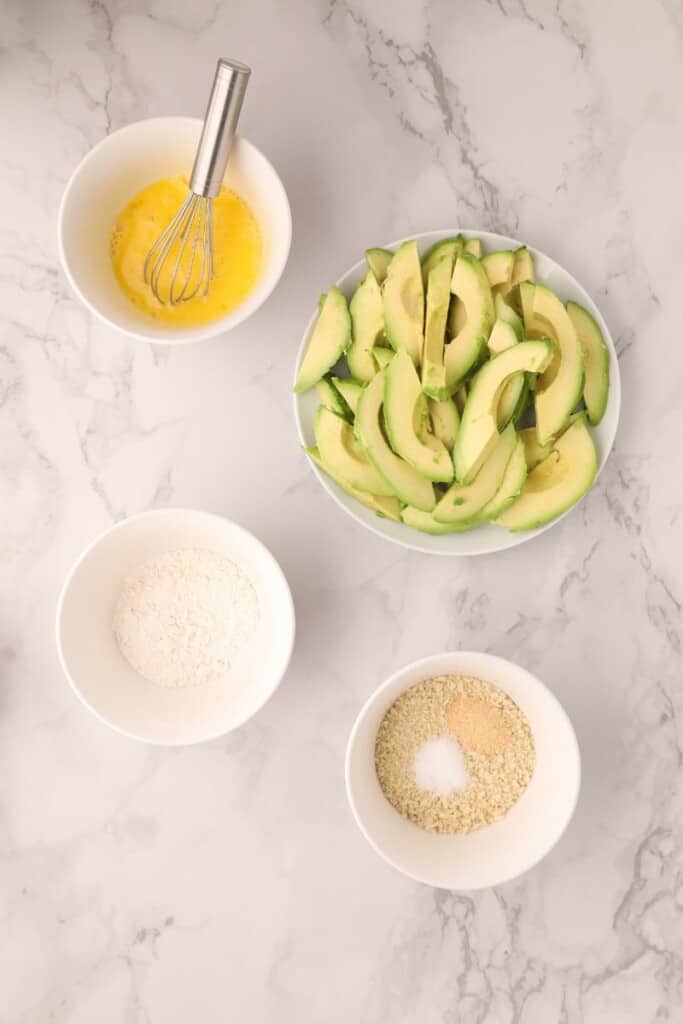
pixel 496 743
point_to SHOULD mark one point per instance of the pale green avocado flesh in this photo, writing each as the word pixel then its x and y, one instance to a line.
pixel 401 397
pixel 464 502
pixel 523 402
pixel 329 340
pixel 408 485
pixel 438 299
pixel 457 317
pixel 596 361
pixel 340 450
pixel 556 483
pixel 511 484
pixel 378 261
pixel 473 247
pixel 383 356
pixel 499 266
pixel 523 270
pixel 534 326
pixel 350 390
pixel 445 420
pixel 533 451
pixel 506 333
pixel 479 425
pixel 524 267
pixel 460 398
pixel 561 386
pixel 448 248
pixel 470 284
pixel 386 507
pixel 506 313
pixel 403 300
pixel 331 398
pixel 426 523
pixel 367 326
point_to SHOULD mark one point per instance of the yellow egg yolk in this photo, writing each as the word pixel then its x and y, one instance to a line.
pixel 237 253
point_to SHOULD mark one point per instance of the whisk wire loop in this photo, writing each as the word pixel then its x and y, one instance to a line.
pixel 187 240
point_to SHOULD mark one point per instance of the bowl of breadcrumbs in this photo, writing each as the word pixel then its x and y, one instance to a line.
pixel 463 770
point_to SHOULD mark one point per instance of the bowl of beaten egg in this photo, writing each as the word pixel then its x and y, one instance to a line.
pixel 121 196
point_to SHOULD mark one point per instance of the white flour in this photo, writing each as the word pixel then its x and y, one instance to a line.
pixel 180 620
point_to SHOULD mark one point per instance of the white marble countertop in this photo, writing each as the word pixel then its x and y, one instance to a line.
pixel 228 881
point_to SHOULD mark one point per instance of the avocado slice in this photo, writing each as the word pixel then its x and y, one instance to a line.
pixel 561 386
pixel 596 361
pixel 378 261
pixel 504 335
pixel 473 247
pixel 511 486
pixel 426 523
pixel 408 485
pixel 534 327
pixel 448 247
pixel 445 420
pixel 505 312
pixel 556 483
pixel 460 398
pixel 386 507
pixel 457 316
pixel 470 284
pixel 524 400
pixel 367 325
pixel 328 342
pixel 523 270
pixel 403 405
pixel 403 295
pixel 499 266
pixel 383 356
pixel 526 302
pixel 331 398
pixel 463 503
pixel 340 450
pixel 479 426
pixel 350 390
pixel 533 451
pixel 438 299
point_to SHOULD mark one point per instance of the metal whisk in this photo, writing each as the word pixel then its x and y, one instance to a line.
pixel 186 242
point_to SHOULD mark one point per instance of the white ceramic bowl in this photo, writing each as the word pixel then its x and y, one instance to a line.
pixel 486 539
pixel 112 689
pixel 119 167
pixel 500 851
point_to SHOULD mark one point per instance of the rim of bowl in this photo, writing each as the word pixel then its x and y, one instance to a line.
pixel 161 512
pixel 184 336
pixel 425 662
pixel 410 541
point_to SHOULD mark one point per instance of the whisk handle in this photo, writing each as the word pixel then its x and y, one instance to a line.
pixel 220 124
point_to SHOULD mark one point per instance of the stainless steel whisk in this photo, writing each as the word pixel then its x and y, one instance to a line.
pixel 188 238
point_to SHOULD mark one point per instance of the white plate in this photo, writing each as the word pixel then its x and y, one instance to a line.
pixel 112 689
pixel 486 539
pixel 498 852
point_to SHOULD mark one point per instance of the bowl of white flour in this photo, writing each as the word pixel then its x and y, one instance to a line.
pixel 175 626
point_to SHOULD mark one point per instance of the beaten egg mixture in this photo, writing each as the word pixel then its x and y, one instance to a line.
pixel 237 252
